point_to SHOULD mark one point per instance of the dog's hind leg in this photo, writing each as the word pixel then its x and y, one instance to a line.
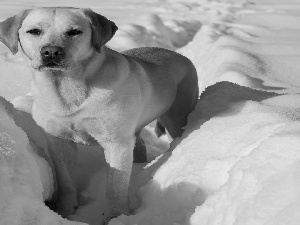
pixel 139 151
pixel 186 99
pixel 159 128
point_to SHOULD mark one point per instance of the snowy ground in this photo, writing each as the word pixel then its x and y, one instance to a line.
pixel 238 160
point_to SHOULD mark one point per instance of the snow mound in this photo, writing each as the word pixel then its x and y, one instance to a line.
pixel 237 163
pixel 151 31
pixel 238 160
pixel 26 178
pixel 256 45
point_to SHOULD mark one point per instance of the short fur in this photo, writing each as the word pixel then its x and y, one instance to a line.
pixel 84 92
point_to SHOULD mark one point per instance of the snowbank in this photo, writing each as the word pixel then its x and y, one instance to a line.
pixel 151 31
pixel 253 162
pixel 238 160
pixel 26 178
pixel 255 45
pixel 238 163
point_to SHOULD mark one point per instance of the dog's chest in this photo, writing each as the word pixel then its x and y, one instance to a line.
pixel 66 127
pixel 70 91
pixel 98 114
pixel 73 132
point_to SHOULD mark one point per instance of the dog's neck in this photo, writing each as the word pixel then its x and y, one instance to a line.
pixel 58 92
pixel 63 92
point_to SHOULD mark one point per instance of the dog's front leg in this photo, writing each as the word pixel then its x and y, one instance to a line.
pixel 64 157
pixel 119 156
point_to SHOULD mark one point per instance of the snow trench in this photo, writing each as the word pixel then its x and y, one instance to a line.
pixel 238 159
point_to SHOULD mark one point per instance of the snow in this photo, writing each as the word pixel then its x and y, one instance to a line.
pixel 238 160
pixel 236 164
pixel 26 178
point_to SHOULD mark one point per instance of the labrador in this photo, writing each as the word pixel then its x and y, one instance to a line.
pixel 84 92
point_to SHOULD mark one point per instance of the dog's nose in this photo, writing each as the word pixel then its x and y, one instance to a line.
pixel 52 52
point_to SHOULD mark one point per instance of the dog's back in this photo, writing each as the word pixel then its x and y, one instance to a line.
pixel 166 66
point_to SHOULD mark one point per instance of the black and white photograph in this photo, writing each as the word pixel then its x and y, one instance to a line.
pixel 149 112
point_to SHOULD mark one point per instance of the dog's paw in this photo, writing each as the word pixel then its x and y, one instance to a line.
pixel 66 205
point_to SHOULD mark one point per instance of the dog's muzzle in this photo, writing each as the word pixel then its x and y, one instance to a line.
pixel 52 56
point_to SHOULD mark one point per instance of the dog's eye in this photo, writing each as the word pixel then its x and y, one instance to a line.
pixel 73 32
pixel 34 31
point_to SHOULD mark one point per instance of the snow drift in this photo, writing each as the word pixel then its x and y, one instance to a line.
pixel 237 163
pixel 238 160
pixel 26 178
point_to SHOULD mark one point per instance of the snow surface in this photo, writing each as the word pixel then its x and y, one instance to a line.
pixel 238 160
pixel 26 178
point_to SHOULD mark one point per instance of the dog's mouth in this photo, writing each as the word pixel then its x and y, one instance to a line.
pixel 51 65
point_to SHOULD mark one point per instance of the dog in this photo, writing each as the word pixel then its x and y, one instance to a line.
pixel 84 92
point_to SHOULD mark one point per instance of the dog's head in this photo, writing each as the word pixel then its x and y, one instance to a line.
pixel 56 38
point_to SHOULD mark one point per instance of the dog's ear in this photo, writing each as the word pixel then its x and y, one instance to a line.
pixel 102 28
pixel 9 29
